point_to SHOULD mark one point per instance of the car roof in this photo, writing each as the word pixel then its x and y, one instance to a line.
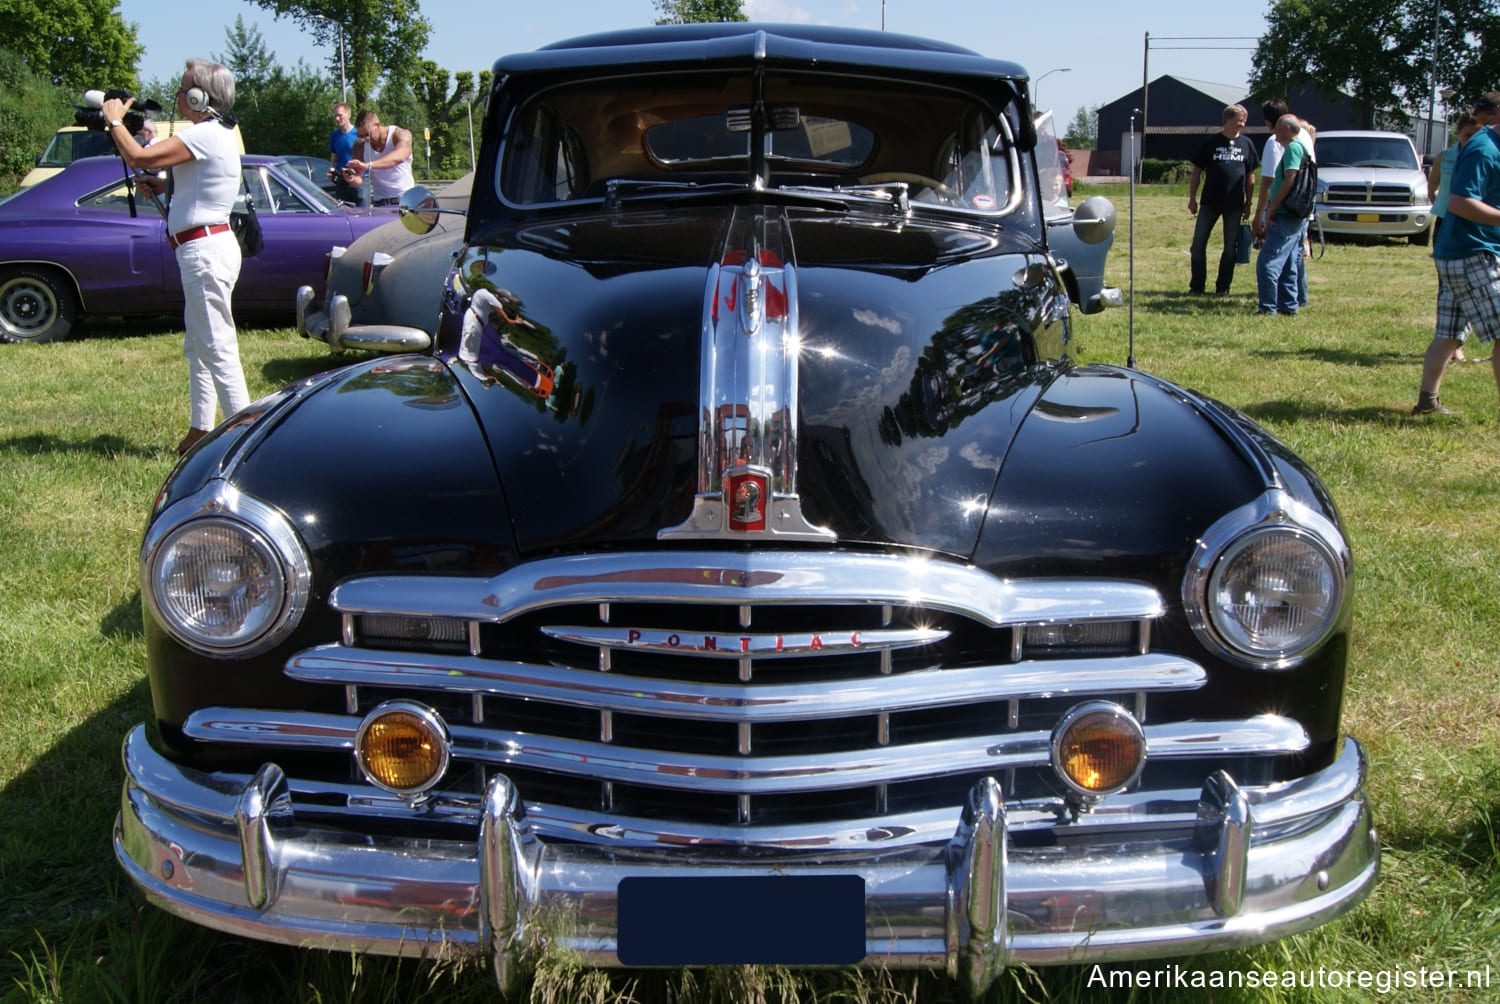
pixel 729 43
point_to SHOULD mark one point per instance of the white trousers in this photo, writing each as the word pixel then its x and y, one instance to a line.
pixel 210 267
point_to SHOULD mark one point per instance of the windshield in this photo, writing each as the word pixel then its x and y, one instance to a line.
pixel 851 137
pixel 1050 162
pixel 1367 151
pixel 74 144
pixel 297 181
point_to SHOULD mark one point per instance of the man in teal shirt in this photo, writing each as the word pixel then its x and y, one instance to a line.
pixel 1275 269
pixel 1467 255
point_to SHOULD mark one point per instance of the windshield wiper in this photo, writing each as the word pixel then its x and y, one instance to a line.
pixel 637 186
pixel 894 192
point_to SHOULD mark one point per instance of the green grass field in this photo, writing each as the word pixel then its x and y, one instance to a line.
pixel 86 438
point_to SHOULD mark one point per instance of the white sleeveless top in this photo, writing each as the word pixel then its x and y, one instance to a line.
pixel 389 182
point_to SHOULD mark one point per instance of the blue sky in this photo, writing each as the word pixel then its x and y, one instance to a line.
pixel 1101 43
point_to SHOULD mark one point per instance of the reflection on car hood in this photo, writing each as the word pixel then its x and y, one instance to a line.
pixel 587 367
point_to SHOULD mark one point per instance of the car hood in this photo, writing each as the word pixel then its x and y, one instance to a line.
pixel 589 383
pixel 1369 176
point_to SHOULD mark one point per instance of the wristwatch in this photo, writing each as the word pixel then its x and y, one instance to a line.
pixel 115 122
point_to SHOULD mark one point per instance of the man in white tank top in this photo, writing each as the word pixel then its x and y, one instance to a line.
pixel 386 156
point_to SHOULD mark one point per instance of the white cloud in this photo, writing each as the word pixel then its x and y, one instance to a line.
pixel 874 320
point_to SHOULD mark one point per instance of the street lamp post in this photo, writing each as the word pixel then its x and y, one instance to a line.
pixel 343 80
pixel 1036 85
pixel 468 99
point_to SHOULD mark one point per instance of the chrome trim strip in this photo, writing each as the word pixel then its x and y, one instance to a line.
pixel 749 359
pixel 713 701
pixel 761 646
pixel 1275 807
pixel 1262 736
pixel 768 576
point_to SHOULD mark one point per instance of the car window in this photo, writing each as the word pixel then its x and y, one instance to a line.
pixel 1394 152
pixel 117 199
pixel 283 198
pixel 687 130
pixel 304 191
pixel 72 145
pixel 813 140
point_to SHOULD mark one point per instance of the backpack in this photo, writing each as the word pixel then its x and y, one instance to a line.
pixel 1299 201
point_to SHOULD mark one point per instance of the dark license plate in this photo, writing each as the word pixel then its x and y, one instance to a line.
pixel 786 920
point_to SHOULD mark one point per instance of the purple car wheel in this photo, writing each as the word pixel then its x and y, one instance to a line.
pixel 35 306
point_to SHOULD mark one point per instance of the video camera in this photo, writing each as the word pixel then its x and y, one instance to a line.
pixel 90 114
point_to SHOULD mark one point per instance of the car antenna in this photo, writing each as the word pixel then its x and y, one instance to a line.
pixel 1130 323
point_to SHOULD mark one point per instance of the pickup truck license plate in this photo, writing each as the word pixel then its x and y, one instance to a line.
pixel 789 920
pixel 1367 217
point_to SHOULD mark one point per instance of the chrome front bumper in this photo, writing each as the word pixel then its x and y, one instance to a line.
pixel 334 326
pixel 1238 867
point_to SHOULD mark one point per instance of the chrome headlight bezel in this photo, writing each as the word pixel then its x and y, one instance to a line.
pixel 263 532
pixel 1274 517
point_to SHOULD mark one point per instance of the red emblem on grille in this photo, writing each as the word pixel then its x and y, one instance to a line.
pixel 746 497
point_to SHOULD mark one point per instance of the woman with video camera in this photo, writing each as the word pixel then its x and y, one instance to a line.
pixel 204 161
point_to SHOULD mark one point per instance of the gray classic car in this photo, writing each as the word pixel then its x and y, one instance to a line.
pixel 382 292
pixel 748 572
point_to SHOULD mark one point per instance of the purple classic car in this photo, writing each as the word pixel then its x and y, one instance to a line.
pixel 71 246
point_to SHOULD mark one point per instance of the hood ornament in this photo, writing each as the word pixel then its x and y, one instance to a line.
pixel 747 389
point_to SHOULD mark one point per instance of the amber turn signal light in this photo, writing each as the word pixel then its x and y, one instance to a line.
pixel 1098 748
pixel 402 747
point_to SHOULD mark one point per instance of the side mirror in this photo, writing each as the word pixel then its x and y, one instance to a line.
pixel 1094 220
pixel 419 210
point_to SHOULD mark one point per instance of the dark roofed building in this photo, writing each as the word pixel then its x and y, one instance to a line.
pixel 1182 111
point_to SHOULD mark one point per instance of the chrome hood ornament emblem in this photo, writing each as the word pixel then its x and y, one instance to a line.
pixel 747 390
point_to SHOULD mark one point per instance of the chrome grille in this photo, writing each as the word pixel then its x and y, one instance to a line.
pixel 757 691
pixel 1370 194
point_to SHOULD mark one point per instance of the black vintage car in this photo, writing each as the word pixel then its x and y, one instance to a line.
pixel 747 573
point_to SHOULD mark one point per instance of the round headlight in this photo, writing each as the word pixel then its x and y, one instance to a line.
pixel 1098 748
pixel 1268 583
pixel 1274 594
pixel 402 747
pixel 223 586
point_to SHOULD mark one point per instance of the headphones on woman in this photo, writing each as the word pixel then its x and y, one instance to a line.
pixel 197 100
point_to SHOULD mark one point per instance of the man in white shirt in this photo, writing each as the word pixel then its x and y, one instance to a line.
pixel 387 158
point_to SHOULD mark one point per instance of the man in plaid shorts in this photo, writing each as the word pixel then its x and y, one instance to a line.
pixel 1467 254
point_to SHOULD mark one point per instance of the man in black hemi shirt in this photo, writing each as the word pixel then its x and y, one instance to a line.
pixel 1226 161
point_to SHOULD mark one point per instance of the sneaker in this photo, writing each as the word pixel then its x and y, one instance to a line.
pixel 1431 406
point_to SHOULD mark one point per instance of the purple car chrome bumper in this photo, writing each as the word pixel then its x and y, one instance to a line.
pixel 1238 867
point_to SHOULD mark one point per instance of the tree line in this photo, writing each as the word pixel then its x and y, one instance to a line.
pixel 54 50
pixel 1390 58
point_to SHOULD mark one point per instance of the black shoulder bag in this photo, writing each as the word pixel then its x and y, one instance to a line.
pixel 246 227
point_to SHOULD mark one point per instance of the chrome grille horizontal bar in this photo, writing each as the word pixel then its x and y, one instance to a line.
pixel 738 646
pixel 1274 806
pixel 733 701
pixel 763 577
pixel 749 775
